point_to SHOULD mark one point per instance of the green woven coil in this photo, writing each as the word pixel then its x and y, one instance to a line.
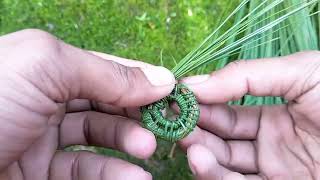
pixel 172 130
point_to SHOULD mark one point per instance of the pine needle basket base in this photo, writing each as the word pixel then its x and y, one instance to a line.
pixel 172 130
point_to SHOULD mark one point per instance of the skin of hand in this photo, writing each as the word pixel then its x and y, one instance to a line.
pixel 54 95
pixel 258 142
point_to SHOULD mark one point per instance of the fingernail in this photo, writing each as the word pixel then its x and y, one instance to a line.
pixel 159 76
pixel 192 168
pixel 148 174
pixel 196 79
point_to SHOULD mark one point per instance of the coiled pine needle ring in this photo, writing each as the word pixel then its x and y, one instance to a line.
pixel 172 130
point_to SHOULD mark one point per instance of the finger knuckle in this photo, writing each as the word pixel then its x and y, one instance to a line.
pixel 228 154
pixel 236 65
pixel 124 76
pixel 41 43
pixel 44 61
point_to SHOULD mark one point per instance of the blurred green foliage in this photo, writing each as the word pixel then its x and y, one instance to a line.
pixel 129 28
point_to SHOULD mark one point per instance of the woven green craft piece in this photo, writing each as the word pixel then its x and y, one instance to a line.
pixel 172 130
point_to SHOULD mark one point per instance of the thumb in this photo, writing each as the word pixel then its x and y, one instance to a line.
pixel 83 75
pixel 287 76
pixel 122 84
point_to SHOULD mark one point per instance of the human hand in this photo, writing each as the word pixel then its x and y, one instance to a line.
pixel 54 95
pixel 261 142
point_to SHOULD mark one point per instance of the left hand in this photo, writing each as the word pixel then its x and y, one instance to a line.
pixel 54 95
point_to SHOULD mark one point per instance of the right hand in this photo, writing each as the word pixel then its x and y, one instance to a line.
pixel 261 142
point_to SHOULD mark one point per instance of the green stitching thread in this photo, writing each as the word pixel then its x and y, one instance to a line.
pixel 172 130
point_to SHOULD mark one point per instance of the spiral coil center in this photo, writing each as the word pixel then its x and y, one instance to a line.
pixel 172 130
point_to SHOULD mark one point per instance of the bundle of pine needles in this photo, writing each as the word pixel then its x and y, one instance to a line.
pixel 260 28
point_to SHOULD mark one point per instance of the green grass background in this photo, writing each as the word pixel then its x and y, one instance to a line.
pixel 133 29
